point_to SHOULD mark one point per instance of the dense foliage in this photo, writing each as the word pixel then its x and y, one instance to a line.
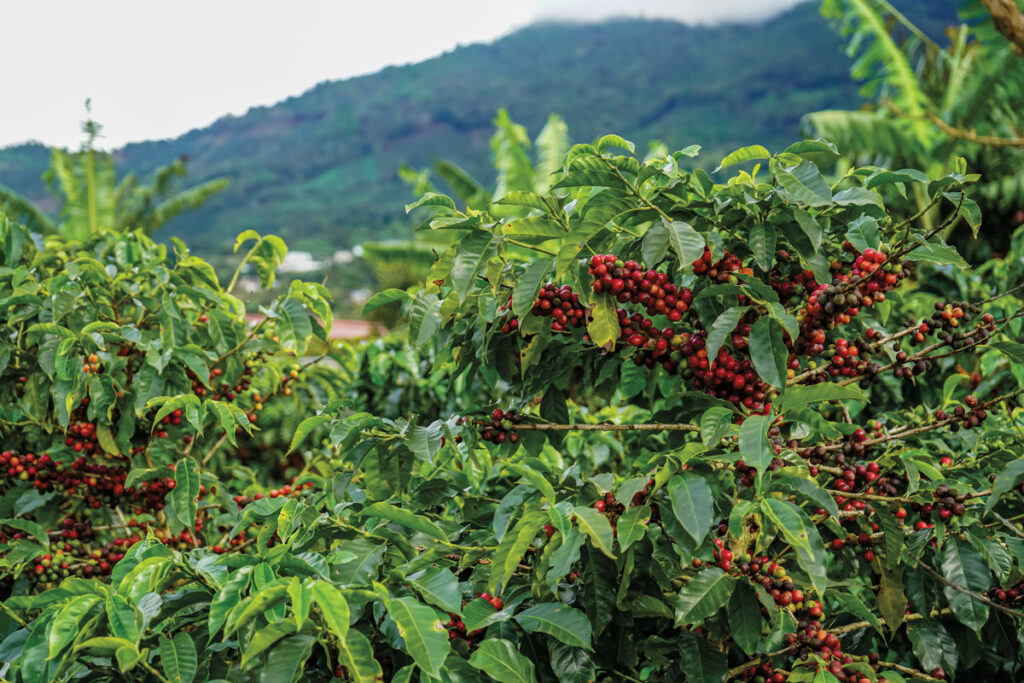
pixel 644 427
pixel 936 99
pixel 324 163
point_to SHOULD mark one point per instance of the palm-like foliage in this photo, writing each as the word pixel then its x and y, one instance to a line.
pixel 931 101
pixel 92 198
pixel 404 263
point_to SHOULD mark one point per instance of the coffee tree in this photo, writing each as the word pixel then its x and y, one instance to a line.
pixel 647 427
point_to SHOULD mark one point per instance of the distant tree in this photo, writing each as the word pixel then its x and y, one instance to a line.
pixel 400 264
pixel 93 198
pixel 932 103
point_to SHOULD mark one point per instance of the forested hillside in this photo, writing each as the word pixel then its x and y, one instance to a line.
pixel 321 167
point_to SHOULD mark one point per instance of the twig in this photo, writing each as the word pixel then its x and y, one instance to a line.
pixel 606 427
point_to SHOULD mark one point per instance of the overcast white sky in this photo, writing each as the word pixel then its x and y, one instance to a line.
pixel 156 70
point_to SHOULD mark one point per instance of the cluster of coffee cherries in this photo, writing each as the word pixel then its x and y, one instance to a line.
pixel 91 364
pixel 791 285
pixel 748 473
pixel 82 437
pixel 871 275
pixel 71 554
pixel 291 489
pixel 1008 597
pixel 813 640
pixel 498 429
pixel 97 485
pixel 611 508
pixel 948 503
pixel 728 376
pixel 457 629
pixel 948 320
pixel 863 539
pixel 233 543
pixel 721 270
pixel 970 417
pixel 561 304
pixel 630 283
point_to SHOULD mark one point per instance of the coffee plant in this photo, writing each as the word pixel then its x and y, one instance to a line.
pixel 645 427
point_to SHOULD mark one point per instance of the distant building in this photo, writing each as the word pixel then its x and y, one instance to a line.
pixel 299 262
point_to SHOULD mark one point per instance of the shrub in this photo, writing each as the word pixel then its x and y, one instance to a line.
pixel 650 427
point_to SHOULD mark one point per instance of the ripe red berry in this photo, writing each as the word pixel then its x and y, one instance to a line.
pixel 869 556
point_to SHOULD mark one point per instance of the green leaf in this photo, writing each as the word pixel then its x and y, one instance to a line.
pixel 654 247
pixel 480 614
pixel 715 424
pixel 1006 481
pixel 178 657
pixel 432 199
pixel 768 351
pixel 810 227
pixel 748 153
pixel 604 324
pixel 692 504
pixel 937 252
pixel 287 661
pixel 812 147
pixel 306 427
pixel 632 525
pixel 858 196
pixel 964 567
pixel 185 494
pixel 755 446
pixel 596 526
pixel 761 240
pixel 558 620
pixel 513 546
pixel 469 260
pixel 863 233
pixel 388 296
pixel 804 184
pixel 124 619
pixel 68 622
pixel 703 595
pixel 933 645
pixel 803 395
pixel 613 140
pixel 745 618
pixel 812 490
pixel 528 285
pixel 1013 350
pixel 356 655
pixel 687 243
pixel 405 518
pixel 906 175
pixel 426 639
pixel 333 606
pixel 439 587
pixel 263 639
pixel 500 660
pixel 722 328
pixel 892 600
pixel 794 525
pixel 701 661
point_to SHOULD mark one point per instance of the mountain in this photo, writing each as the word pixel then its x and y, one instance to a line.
pixel 320 168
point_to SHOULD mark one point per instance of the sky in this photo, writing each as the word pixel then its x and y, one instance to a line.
pixel 157 70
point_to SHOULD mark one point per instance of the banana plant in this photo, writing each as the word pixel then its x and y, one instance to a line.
pixel 932 103
pixel 92 198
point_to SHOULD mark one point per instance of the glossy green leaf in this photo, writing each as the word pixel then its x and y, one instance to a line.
pixel 558 620
pixel 426 639
pixel 692 504
pixel 703 595
pixel 502 662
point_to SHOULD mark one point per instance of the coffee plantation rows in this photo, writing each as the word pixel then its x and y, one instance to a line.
pixel 641 427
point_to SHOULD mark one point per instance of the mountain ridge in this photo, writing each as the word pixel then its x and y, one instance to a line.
pixel 320 168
